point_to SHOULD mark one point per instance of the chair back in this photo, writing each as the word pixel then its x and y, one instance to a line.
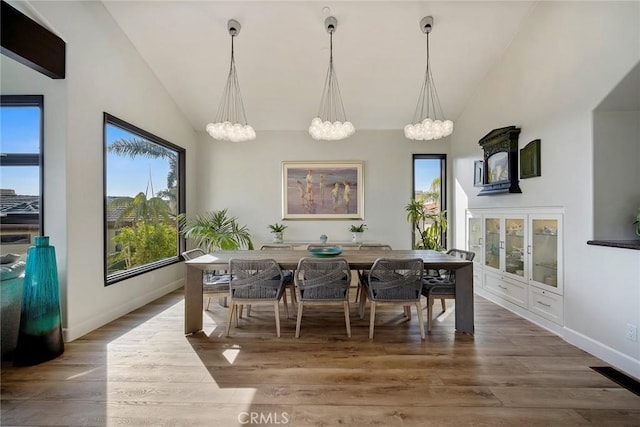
pixel 459 253
pixel 255 279
pixel 373 247
pixel 193 253
pixel 276 247
pixel 450 275
pixel 395 279
pixel 323 279
pixel 212 281
pixel 288 274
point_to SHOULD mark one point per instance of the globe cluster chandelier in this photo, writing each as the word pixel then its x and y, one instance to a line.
pixel 231 122
pixel 331 124
pixel 426 125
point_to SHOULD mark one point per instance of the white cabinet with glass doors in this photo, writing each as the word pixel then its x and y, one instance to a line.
pixel 475 236
pixel 475 244
pixel 519 258
pixel 505 245
pixel 545 252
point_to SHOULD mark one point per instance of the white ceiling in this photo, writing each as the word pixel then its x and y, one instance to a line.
pixel 282 54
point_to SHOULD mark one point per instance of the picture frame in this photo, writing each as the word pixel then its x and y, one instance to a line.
pixel 321 190
pixel 530 160
pixel 478 173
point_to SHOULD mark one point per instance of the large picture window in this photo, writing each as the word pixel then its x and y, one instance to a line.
pixel 21 136
pixel 144 194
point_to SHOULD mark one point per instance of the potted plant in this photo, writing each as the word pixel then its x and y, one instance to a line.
pixel 277 230
pixel 216 230
pixel 356 232
pixel 429 225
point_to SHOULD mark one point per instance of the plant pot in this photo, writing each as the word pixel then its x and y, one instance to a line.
pixel 277 236
pixel 356 236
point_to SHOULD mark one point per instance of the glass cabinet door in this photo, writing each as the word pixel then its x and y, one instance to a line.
pixel 492 242
pixel 514 246
pixel 474 244
pixel 546 253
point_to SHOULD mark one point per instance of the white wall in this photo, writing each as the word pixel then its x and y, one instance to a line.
pixel 246 178
pixel 563 62
pixel 616 173
pixel 16 79
pixel 104 73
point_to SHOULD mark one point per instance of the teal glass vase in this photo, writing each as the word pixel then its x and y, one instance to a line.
pixel 40 333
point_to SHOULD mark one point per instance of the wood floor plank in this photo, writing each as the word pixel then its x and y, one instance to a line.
pixel 142 370
pixel 317 416
pixel 565 397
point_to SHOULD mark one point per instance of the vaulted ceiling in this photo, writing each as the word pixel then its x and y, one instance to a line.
pixel 282 54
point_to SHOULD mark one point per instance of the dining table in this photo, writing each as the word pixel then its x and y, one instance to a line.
pixel 358 260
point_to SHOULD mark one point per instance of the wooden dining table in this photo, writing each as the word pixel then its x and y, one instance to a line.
pixel 358 260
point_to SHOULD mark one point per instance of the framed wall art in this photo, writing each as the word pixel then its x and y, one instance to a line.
pixel 530 160
pixel 478 173
pixel 322 190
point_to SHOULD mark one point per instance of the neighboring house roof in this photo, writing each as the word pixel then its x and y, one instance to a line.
pixel 14 204
pixel 432 206
pixel 17 204
pixel 113 213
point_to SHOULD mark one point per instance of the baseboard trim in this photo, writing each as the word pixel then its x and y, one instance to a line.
pixel 101 319
pixel 621 361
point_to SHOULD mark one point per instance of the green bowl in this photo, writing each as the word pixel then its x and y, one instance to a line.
pixel 327 252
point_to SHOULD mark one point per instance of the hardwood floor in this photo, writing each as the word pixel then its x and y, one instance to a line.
pixel 142 370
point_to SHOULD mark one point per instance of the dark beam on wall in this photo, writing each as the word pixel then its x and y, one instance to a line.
pixel 29 43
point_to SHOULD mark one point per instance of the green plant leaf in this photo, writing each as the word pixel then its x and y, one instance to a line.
pixel 216 230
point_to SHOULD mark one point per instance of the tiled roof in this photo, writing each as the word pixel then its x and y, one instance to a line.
pixel 16 204
pixel 113 213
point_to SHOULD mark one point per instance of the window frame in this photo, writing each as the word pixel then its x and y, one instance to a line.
pixel 443 187
pixel 28 159
pixel 109 119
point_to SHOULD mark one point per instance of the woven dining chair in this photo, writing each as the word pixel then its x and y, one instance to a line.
pixel 288 274
pixel 398 282
pixel 363 273
pixel 442 286
pixel 214 284
pixel 255 281
pixel 323 281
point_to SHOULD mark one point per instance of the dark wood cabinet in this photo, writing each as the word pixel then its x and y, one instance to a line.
pixel 500 173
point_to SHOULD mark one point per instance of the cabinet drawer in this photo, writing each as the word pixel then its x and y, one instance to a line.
pixel 546 304
pixel 510 290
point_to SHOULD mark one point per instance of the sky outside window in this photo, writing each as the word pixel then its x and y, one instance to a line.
pixel 20 133
pixel 128 176
pixel 426 170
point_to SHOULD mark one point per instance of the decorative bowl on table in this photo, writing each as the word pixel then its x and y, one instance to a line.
pixel 328 252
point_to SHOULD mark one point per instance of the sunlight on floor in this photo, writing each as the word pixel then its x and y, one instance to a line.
pixel 231 354
pixel 443 316
pixel 81 374
pixel 151 361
